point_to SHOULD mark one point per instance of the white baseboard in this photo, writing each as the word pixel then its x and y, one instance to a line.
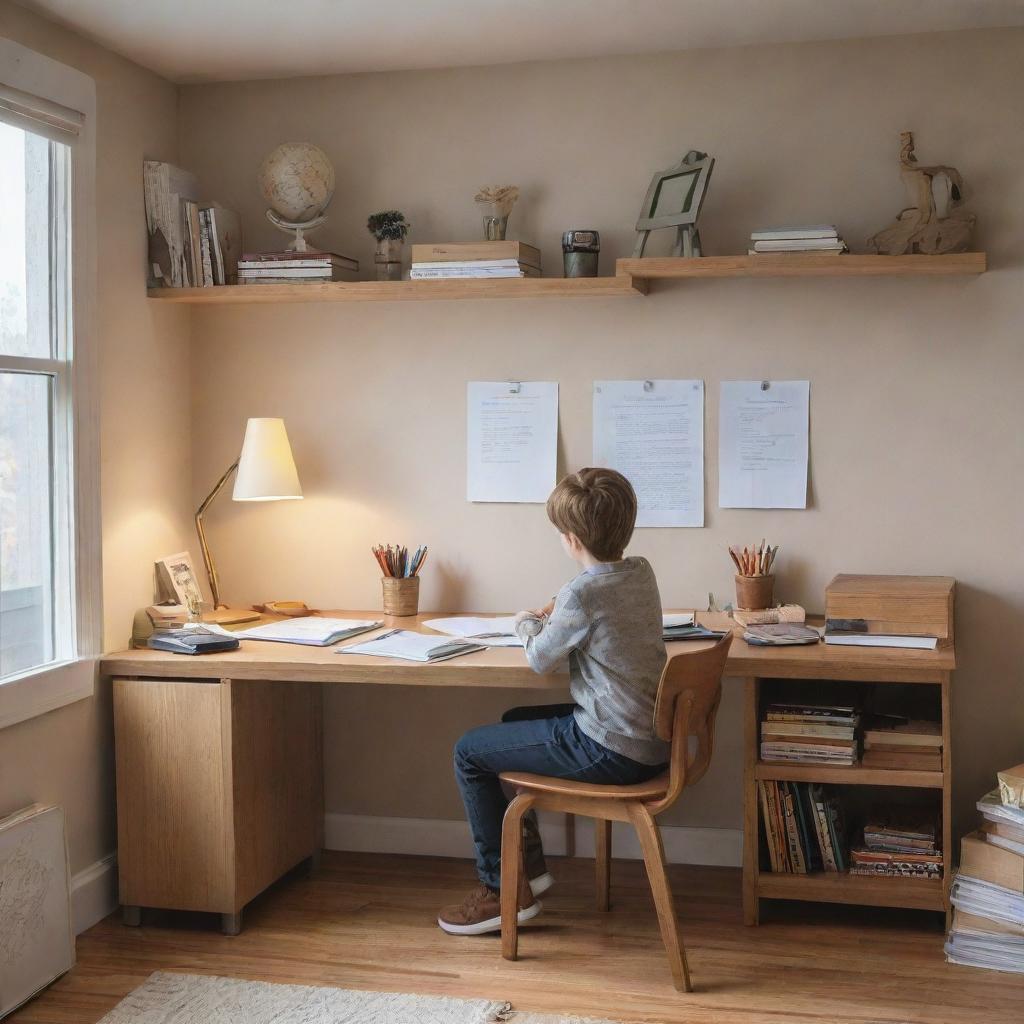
pixel 432 837
pixel 94 893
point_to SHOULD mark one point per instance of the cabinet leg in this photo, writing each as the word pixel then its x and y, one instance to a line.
pixel 131 916
pixel 231 924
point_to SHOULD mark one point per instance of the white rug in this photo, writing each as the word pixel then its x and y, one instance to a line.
pixel 200 999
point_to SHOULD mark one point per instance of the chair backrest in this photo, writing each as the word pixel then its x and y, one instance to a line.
pixel 689 693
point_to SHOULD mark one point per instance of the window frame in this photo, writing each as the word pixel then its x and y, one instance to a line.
pixel 44 95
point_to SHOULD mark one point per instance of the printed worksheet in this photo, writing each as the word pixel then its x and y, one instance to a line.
pixel 512 440
pixel 763 434
pixel 652 432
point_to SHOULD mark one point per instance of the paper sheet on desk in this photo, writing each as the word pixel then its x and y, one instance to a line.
pixel 511 440
pixel 652 432
pixel 496 631
pixel 762 444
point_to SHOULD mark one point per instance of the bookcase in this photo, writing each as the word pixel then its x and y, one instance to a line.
pixel 883 676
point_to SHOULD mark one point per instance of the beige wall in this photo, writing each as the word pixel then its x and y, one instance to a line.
pixel 916 457
pixel 66 756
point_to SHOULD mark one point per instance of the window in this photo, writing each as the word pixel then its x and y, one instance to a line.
pixel 49 544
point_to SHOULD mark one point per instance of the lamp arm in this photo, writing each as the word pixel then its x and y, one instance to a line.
pixel 211 570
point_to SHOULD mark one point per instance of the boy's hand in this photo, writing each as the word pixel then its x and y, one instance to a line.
pixel 543 613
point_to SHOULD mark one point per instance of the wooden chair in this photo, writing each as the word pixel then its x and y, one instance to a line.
pixel 688 697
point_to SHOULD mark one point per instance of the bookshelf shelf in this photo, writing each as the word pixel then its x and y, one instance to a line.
pixel 912 893
pixel 631 278
pixel 399 291
pixel 852 775
pixel 802 265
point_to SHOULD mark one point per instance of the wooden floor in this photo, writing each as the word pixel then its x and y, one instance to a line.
pixel 367 921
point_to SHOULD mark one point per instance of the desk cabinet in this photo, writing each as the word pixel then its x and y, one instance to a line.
pixel 219 790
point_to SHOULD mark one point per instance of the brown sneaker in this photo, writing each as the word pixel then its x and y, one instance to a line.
pixel 480 912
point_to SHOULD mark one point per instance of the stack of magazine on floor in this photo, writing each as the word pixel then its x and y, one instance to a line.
pixel 291 267
pixel 481 260
pixel 410 646
pixel 988 891
pixel 799 238
pixel 810 734
pixel 900 843
pixel 804 827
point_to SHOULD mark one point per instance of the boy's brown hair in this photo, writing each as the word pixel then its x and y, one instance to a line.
pixel 599 507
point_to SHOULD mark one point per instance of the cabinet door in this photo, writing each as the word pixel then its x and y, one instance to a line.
pixel 277 779
pixel 173 829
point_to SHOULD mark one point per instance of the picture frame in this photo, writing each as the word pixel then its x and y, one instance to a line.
pixel 177 580
pixel 683 185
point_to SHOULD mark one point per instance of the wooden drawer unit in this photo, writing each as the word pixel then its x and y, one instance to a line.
pixel 219 790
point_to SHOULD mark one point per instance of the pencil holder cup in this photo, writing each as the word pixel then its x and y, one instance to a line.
pixel 401 594
pixel 754 592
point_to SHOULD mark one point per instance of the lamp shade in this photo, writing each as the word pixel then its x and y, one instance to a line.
pixel 266 469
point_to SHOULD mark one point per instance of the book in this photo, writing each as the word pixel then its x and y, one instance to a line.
pixel 780 634
pixel 800 245
pixel 924 762
pixel 290 258
pixel 1011 786
pixel 797 231
pixel 843 639
pixel 985 899
pixel 326 273
pixel 491 631
pixel 417 274
pixel 831 713
pixel 988 950
pixel 410 646
pixel 892 731
pixel 195 640
pixel 166 188
pixel 987 862
pixel 891 605
pixel 206 248
pixel 797 819
pixel 310 630
pixel 1014 844
pixel 769 616
pixel 446 252
pixel 1003 829
pixel 226 241
pixel 819 729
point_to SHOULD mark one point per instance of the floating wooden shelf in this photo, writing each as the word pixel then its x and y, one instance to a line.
pixel 631 278
pixel 399 291
pixel 832 887
pixel 801 264
pixel 851 775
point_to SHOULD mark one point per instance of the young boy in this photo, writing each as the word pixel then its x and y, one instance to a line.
pixel 607 622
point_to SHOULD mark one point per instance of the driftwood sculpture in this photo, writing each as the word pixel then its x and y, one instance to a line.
pixel 935 222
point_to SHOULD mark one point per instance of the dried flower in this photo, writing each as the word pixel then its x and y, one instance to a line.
pixel 501 197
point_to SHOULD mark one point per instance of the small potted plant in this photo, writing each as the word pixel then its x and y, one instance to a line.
pixel 389 227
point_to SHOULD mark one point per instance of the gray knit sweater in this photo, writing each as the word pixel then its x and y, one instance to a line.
pixel 607 621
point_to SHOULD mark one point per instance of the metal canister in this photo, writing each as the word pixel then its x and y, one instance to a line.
pixel 580 253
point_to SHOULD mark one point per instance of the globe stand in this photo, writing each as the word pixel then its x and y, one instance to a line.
pixel 296 229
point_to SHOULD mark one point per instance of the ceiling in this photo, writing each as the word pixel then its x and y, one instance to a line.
pixel 224 40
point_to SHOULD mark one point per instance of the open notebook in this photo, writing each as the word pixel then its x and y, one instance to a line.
pixel 410 646
pixel 313 630
pixel 491 631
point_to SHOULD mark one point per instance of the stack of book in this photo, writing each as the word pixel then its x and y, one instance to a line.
pixel 988 891
pixel 486 260
pixel 899 845
pixel 803 826
pixel 810 734
pixel 914 612
pixel 291 267
pixel 799 238
pixel 894 742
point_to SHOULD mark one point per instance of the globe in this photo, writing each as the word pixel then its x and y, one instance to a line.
pixel 297 181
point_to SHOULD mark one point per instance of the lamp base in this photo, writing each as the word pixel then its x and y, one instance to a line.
pixel 230 616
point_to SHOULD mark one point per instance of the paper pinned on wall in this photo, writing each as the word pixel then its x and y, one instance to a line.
pixel 763 431
pixel 653 433
pixel 512 440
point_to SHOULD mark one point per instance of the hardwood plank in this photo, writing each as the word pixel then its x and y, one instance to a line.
pixel 366 921
pixel 801 265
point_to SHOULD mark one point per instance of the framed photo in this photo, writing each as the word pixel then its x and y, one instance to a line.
pixel 676 195
pixel 177 579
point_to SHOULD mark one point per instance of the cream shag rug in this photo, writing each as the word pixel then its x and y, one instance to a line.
pixel 199 999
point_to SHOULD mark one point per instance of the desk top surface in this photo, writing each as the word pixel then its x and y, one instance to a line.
pixel 506 667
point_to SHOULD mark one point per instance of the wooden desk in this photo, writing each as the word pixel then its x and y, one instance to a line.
pixel 219 772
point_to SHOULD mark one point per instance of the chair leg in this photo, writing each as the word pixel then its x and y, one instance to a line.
pixel 654 859
pixel 511 873
pixel 603 861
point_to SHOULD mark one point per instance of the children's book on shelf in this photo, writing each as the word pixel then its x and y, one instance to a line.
pixel 803 826
pixel 810 734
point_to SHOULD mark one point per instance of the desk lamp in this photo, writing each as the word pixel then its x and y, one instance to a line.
pixel 266 472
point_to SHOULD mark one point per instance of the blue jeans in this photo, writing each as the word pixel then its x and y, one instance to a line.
pixel 544 740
